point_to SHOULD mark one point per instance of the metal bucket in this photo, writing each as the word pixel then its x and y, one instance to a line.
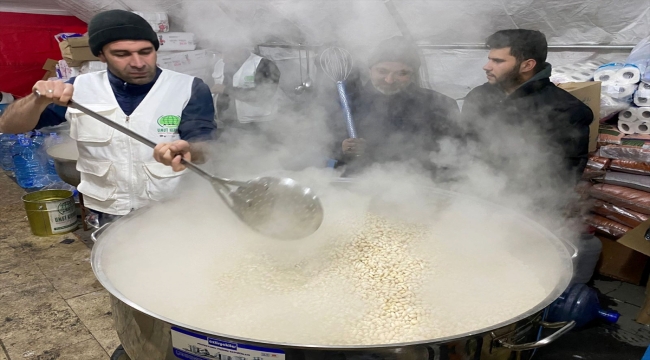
pixel 50 212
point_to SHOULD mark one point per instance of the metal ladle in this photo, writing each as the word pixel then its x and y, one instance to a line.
pixel 300 88
pixel 307 84
pixel 276 207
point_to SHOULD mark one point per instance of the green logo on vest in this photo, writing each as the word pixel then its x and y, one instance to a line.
pixel 168 123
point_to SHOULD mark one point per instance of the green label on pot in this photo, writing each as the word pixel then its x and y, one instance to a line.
pixel 63 215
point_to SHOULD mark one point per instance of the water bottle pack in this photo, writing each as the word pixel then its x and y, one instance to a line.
pixel 7 142
pixel 51 140
pixel 25 156
pixel 29 164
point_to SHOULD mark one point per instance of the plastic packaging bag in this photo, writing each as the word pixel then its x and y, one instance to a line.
pixel 619 214
pixel 610 106
pixel 632 181
pixel 609 135
pixel 640 56
pixel 591 174
pixel 607 226
pixel 630 167
pixel 632 199
pixel 620 152
pixel 597 162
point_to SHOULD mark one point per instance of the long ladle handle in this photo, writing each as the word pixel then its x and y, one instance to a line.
pixel 136 136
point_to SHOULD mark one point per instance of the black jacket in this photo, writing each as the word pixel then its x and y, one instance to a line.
pixel 560 119
pixel 400 127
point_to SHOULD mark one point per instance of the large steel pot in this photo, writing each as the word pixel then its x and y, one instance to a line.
pixel 147 335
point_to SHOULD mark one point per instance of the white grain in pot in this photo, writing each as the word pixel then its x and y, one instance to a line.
pixel 361 279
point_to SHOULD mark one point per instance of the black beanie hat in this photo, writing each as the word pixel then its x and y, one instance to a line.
pixel 396 49
pixel 115 25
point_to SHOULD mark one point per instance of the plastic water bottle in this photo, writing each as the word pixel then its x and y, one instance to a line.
pixel 29 165
pixel 38 138
pixel 51 140
pixel 13 150
pixel 589 248
pixel 580 303
pixel 7 142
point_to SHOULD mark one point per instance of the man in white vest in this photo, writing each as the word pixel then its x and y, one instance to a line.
pixel 119 174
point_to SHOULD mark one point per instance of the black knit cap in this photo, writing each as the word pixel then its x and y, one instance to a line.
pixel 115 25
pixel 396 49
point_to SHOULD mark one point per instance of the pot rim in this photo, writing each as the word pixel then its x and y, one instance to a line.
pixel 564 281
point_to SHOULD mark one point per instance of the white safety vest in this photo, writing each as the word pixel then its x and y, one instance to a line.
pixel 119 173
pixel 248 111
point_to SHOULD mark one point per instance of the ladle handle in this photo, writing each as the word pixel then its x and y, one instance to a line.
pixel 134 135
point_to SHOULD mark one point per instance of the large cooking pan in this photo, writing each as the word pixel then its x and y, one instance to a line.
pixel 147 334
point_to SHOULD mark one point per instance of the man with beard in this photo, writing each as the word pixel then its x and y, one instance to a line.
pixel 119 174
pixel 519 96
pixel 396 119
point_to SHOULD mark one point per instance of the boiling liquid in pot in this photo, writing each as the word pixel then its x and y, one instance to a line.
pixel 372 274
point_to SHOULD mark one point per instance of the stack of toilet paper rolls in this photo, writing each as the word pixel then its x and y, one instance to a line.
pixel 634 120
pixel 619 81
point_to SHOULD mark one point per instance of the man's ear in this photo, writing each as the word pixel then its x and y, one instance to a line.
pixel 527 65
pixel 101 57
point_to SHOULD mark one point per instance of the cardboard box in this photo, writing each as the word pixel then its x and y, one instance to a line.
pixel 588 93
pixel 50 69
pixel 620 262
pixel 76 50
pixel 634 240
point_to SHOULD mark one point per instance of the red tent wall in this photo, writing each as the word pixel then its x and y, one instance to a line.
pixel 26 41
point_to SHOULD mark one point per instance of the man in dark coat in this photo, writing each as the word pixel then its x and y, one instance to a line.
pixel 396 119
pixel 520 97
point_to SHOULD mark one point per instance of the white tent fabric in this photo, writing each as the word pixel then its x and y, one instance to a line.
pixel 360 24
pixel 435 21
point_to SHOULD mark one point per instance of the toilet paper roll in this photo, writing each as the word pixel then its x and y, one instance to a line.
pixel 641 100
pixel 605 75
pixel 629 74
pixel 620 91
pixel 642 127
pixel 6 98
pixel 630 114
pixel 627 127
pixel 643 113
pixel 642 95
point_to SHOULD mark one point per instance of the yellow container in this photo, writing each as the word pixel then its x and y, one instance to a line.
pixel 50 212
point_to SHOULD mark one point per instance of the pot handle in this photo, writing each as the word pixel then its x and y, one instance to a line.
pixel 564 328
pixel 99 231
pixel 92 220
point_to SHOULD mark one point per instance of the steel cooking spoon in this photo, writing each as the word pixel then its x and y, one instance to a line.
pixel 276 207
